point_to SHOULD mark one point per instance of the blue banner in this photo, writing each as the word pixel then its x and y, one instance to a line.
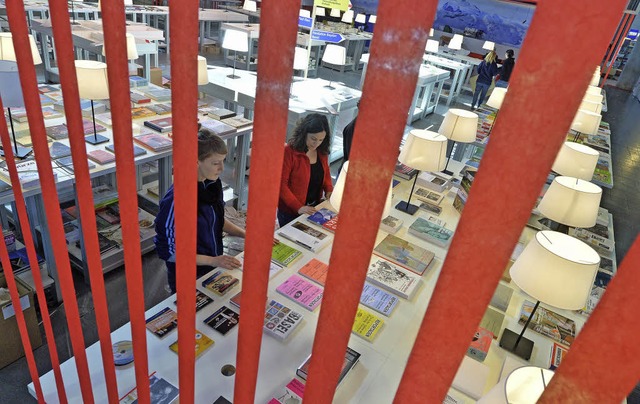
pixel 330 37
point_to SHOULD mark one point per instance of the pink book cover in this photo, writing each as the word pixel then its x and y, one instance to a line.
pixel 88 127
pixel 101 156
pixel 315 270
pixel 302 292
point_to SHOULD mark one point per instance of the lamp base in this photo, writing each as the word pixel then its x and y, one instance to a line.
pixel 233 76
pixel 21 153
pixel 407 207
pixel 96 139
pixel 447 172
pixel 329 87
pixel 524 348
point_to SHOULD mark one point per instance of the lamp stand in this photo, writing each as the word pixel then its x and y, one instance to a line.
pixel 95 139
pixel 330 87
pixel 559 227
pixel 407 207
pixel 449 158
pixel 19 151
pixel 235 57
pixel 515 343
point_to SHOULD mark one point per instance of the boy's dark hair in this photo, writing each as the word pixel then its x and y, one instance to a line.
pixel 312 123
pixel 209 143
pixel 510 53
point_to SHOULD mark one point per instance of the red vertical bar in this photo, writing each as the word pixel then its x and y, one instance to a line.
pixel 521 159
pixel 184 96
pixel 627 20
pixel 59 13
pixel 28 80
pixel 118 74
pixel 396 56
pixel 279 22
pixel 602 364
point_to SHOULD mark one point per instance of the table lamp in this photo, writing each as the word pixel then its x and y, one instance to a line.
pixel 432 46
pixel 576 160
pixel 586 122
pixel 250 5
pixel 347 17
pixel 593 98
pixel 425 151
pixel 338 191
pixel 7 51
pixel 595 107
pixel 361 18
pixel 334 55
pixel 456 42
pixel 556 269
pixel 488 45
pixel 320 12
pixel 430 31
pixel 11 95
pixel 526 384
pixel 373 19
pixel 593 90
pixel 132 49
pixel 305 13
pixel 93 84
pixel 203 74
pixel 595 79
pixel 335 13
pixel 300 62
pixel 459 125
pixel 571 202
pixel 237 41
pixel 497 97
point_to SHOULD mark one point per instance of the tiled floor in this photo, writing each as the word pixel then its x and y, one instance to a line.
pixel 623 115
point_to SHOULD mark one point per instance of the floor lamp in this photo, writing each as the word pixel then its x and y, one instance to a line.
pixel 423 150
pixel 555 269
pixel 461 126
pixel 334 55
pixel 11 95
pixel 571 202
pixel 237 41
pixel 93 85
pixel 576 160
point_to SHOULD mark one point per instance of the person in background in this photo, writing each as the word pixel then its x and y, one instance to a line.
pixel 347 139
pixel 212 151
pixel 487 69
pixel 306 178
pixel 505 71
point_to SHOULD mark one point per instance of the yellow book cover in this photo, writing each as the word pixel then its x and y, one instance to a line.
pixel 202 344
pixel 366 325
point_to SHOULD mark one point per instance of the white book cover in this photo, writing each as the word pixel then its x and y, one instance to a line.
pixel 280 321
pixel 434 182
pixel 391 224
pixel 392 278
pixel 274 269
pixel 305 236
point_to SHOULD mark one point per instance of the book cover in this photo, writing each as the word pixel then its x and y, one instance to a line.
pixel 480 344
pixel 351 358
pixel 142 112
pixel 315 270
pixel 220 282
pixel 366 325
pixel 405 254
pixel 274 269
pixel 104 118
pixel 501 297
pixel 162 322
pixel 137 151
pixel 558 353
pixel 549 323
pixel 302 292
pixel 46 88
pixel 331 225
pixel 160 125
pixel 492 320
pixel 19 114
pixel 160 109
pixel 322 216
pixel 235 299
pixel 166 392
pixel 101 156
pixel 88 127
pixel 219 128
pixel 108 216
pixel 393 278
pixel 431 208
pixel 160 94
pixel 50 113
pixel 378 300
pixel 284 255
pixel 292 393
pixel 154 142
pixel 57 132
pixel 428 196
pixel 391 224
pixel 202 344
pixel 138 98
pixel 137 81
pixel 58 150
pixel 238 122
pixel 202 300
pixel 280 321
pixel 404 172
pixel 27 173
pixel 305 236
pixel 432 181
pixel 220 113
pixel 223 320
pixel 431 232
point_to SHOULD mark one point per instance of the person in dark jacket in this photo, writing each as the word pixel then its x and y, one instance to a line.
pixel 210 220
pixel 507 68
pixel 487 69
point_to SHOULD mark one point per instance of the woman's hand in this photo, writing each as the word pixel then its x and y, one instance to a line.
pixel 225 261
pixel 308 210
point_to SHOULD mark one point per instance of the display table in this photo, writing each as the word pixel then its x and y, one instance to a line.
pixel 459 74
pixel 250 61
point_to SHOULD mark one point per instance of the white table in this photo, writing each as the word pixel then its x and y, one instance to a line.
pixel 458 69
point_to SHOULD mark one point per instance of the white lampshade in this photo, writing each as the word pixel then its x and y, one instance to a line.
pixel 7 51
pixel 338 191
pixel 595 107
pixel 430 31
pixel 525 385
pixel 595 79
pixel 576 160
pixel 571 201
pixel 459 125
pixel 373 19
pixel 361 18
pixel 235 40
pixel 594 90
pixel 593 97
pixel 300 59
pixel 556 269
pixel 424 150
pixel 347 16
pixel 335 12
pixel 334 54
pixel 203 75
pixel 432 46
pixel 586 122
pixel 456 42
pixel 305 13
pixel 320 12
pixel 132 50
pixel 488 45
pixel 497 97
pixel 126 3
pixel 92 79
pixel 10 88
pixel 250 5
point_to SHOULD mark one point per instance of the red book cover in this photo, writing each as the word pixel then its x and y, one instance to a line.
pixel 331 225
pixel 101 156
pixel 480 344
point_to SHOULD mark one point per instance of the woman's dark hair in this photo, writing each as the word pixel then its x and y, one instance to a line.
pixel 313 123
pixel 510 53
pixel 209 143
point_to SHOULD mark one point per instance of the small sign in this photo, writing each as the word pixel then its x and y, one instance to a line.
pixel 342 5
pixel 633 34
pixel 326 36
pixel 8 312
pixel 305 22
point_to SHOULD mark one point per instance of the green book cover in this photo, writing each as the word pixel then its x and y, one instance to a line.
pixel 284 255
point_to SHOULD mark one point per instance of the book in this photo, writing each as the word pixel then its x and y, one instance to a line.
pixel 392 278
pixel 223 320
pixel 378 300
pixel 391 224
pixel 292 393
pixel 315 271
pixel 404 172
pixel 165 392
pixel 46 88
pixel 51 113
pixel 280 321
pixel 302 292
pixel 428 196
pixel 274 269
pixel 101 156
pixel 351 358
pixel 558 353
pixel 432 181
pixel 480 344
pixel 19 114
pixel 88 127
pixel 492 320
pixel 322 216
pixel 143 112
pixel 238 122
pixel 220 282
pixel 366 325
pixel 27 173
pixel 219 113
pixel 108 216
pixel 137 151
pixel 235 299
pixel 202 344
pixel 431 232
pixel 431 208
pixel 162 322
pixel 284 255
pixel 154 142
pixel 501 297
pixel 160 125
pixel 58 150
pixel 405 254
pixel 160 109
pixel 139 99
pixel 549 323
pixel 57 132
pixel 202 300
pixel 305 236
pixel 331 225
pixel 219 128
pixel 159 94
pixel 105 118
pixel 137 81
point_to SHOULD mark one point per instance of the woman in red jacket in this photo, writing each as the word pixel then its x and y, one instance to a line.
pixel 305 172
